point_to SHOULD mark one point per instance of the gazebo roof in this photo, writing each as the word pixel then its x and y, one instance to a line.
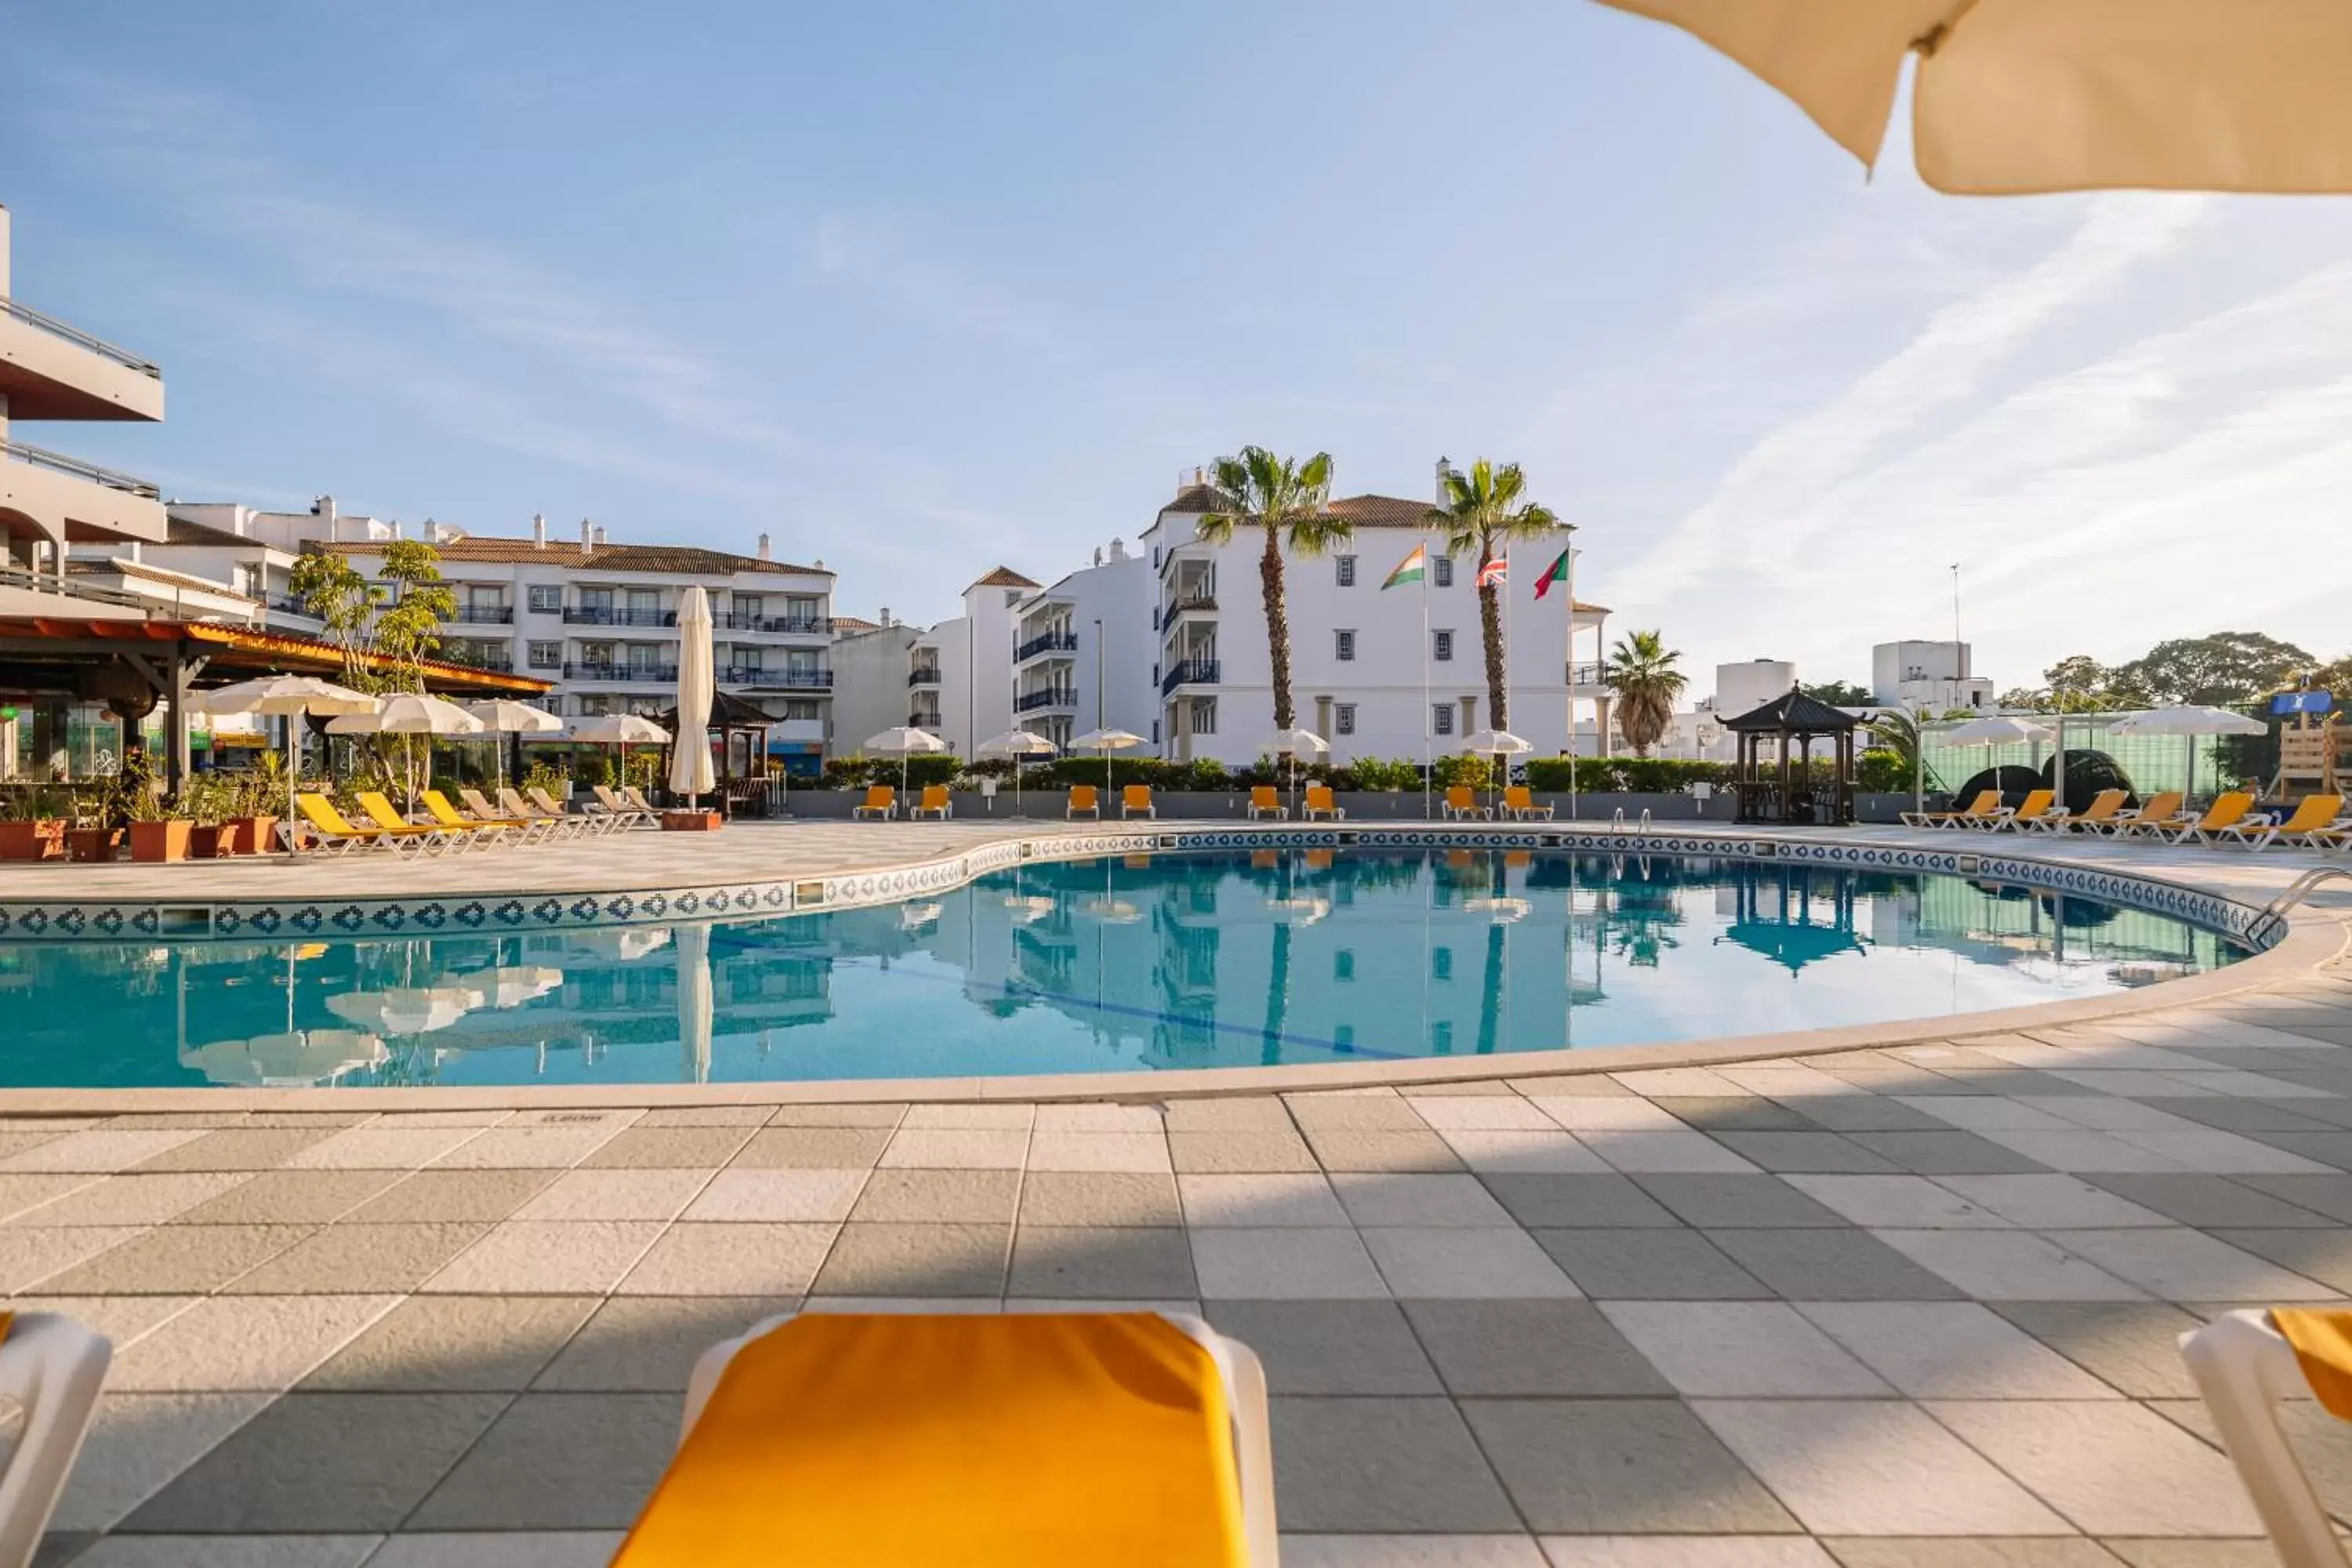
pixel 1795 713
pixel 728 711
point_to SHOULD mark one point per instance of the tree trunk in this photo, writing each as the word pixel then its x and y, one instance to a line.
pixel 1490 634
pixel 1277 628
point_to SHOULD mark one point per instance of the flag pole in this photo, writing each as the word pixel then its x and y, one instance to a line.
pixel 1428 745
pixel 1571 675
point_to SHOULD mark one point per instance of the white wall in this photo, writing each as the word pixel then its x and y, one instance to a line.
pixel 1746 687
pixel 870 684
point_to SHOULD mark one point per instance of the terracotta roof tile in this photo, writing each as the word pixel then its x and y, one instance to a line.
pixel 1200 498
pixel 683 559
pixel 1006 577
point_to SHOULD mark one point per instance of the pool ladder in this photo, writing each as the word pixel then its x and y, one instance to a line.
pixel 1617 820
pixel 2261 930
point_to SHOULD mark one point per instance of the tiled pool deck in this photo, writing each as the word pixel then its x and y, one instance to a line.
pixel 1912 1305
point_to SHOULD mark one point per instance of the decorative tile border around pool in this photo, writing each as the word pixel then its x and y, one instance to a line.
pixel 248 919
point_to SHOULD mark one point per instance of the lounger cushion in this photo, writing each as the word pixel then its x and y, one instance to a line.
pixel 1038 1441
pixel 2323 1344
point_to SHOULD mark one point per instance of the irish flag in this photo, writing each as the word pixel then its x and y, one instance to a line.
pixel 1410 569
pixel 1555 572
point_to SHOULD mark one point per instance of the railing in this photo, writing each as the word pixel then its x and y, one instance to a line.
pixel 574 616
pixel 293 608
pixel 14 577
pixel 922 721
pixel 1185 604
pixel 924 677
pixel 795 626
pixel 1189 672
pixel 641 674
pixel 485 615
pixel 2272 917
pixel 1052 642
pixel 1030 702
pixel 1588 675
pixel 784 680
pixel 79 337
pixel 500 660
pixel 58 462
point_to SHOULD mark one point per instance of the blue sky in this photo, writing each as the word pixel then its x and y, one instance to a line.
pixel 919 289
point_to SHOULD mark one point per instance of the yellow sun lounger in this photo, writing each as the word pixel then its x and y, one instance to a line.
pixel 336 834
pixel 1460 802
pixel 561 823
pixel 881 803
pixel 2246 1363
pixel 495 830
pixel 2319 814
pixel 1986 806
pixel 51 1369
pixel 2227 811
pixel 1015 1440
pixel 1520 805
pixel 1264 802
pixel 1136 798
pixel 2103 808
pixel 1320 803
pixel 385 818
pixel 587 821
pixel 2157 813
pixel 2037 804
pixel 936 803
pixel 1084 802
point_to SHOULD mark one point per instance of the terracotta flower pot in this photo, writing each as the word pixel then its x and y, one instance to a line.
pixel 210 842
pixel 93 844
pixel 42 838
pixel 161 841
pixel 691 821
pixel 255 835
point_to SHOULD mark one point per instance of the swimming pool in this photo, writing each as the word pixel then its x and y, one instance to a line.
pixel 1117 963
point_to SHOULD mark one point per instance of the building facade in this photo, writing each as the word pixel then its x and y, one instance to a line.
pixel 870 674
pixel 1084 652
pixel 1934 677
pixel 958 675
pixel 1393 674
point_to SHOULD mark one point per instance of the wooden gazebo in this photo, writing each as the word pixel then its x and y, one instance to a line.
pixel 730 717
pixel 1780 786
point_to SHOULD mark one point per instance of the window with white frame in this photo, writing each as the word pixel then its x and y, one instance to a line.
pixel 1441 571
pixel 1343 718
pixel 1344 645
pixel 1441 645
pixel 546 598
pixel 1347 567
pixel 547 656
pixel 1441 718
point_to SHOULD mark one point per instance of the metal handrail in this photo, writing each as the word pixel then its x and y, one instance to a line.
pixel 1190 672
pixel 41 457
pixel 1052 642
pixel 13 576
pixel 923 676
pixel 2294 892
pixel 79 337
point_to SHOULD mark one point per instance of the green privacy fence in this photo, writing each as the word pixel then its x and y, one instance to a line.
pixel 2153 763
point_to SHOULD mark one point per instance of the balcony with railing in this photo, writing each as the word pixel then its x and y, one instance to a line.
pixel 773 679
pixel 923 674
pixel 1050 642
pixel 787 625
pixel 635 674
pixel 500 659
pixel 1189 672
pixel 485 615
pixel 74 467
pixel 1051 696
pixel 1589 677
pixel 589 616
pixel 52 371
pixel 290 606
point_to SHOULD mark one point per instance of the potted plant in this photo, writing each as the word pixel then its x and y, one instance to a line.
pixel 209 800
pixel 97 831
pixel 158 832
pixel 31 825
pixel 259 796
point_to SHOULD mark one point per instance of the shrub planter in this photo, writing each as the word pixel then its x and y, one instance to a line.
pixel 691 821
pixel 41 839
pixel 155 842
pixel 93 844
pixel 216 842
pixel 254 833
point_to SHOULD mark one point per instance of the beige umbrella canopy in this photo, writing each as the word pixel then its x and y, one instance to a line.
pixel 2015 97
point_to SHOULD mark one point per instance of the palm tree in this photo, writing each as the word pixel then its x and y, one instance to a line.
pixel 1288 501
pixel 1484 510
pixel 1642 673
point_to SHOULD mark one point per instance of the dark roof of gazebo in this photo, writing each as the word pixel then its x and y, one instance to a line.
pixel 1795 713
pixel 728 711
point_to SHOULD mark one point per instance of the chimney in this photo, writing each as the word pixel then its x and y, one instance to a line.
pixel 884 614
pixel 587 533
pixel 1445 472
pixel 538 531
pixel 763 549
pixel 323 509
pixel 1119 550
pixel 395 528
pixel 600 536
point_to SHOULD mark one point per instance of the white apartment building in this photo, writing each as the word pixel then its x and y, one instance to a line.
pixel 958 675
pixel 1085 652
pixel 870 672
pixel 1367 674
pixel 1934 676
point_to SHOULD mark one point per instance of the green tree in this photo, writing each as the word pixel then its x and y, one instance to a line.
pixel 1840 694
pixel 412 609
pixel 1289 500
pixel 1484 509
pixel 2223 670
pixel 329 586
pixel 1642 673
pixel 1897 730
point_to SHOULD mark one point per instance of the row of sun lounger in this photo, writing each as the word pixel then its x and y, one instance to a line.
pixel 518 817
pixel 1517 804
pixel 2317 821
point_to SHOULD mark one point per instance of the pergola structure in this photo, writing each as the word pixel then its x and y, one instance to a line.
pixel 730 717
pixel 1775 781
pixel 134 666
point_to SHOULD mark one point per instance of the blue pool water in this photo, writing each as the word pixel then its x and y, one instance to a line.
pixel 1177 960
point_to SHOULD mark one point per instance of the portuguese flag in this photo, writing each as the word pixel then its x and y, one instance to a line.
pixel 1555 572
pixel 1410 569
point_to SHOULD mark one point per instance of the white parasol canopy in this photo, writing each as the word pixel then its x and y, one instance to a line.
pixel 504 715
pixel 288 696
pixel 1017 745
pixel 616 730
pixel 2189 720
pixel 1107 742
pixel 1291 743
pixel 1497 743
pixel 902 743
pixel 689 761
pixel 1998 730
